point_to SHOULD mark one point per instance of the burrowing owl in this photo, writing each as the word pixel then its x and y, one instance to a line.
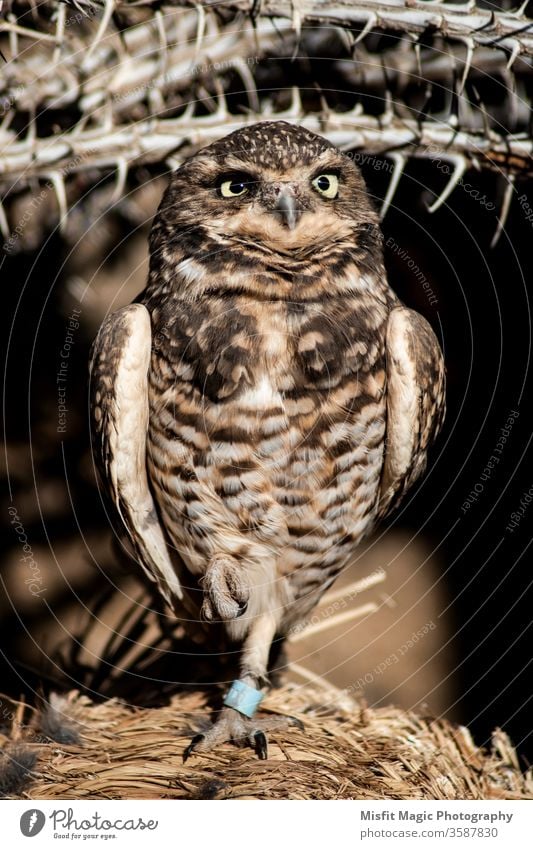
pixel 266 400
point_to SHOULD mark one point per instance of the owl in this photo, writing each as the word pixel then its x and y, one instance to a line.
pixel 265 401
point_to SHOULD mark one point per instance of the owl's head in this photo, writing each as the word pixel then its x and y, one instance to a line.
pixel 273 187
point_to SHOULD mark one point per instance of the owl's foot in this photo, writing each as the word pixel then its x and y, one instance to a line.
pixel 234 727
pixel 226 594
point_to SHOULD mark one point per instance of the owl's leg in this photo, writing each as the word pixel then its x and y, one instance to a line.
pixel 240 726
pixel 278 662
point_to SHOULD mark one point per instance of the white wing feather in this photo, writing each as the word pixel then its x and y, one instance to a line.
pixel 415 402
pixel 119 410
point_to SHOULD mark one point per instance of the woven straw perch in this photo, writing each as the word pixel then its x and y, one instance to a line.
pixel 346 752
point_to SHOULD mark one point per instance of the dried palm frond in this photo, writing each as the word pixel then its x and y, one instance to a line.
pixel 94 90
pixel 466 22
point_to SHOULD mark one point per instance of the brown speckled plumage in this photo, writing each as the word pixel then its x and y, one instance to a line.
pixel 290 398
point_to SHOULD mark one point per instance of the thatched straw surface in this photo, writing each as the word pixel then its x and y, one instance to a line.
pixel 346 751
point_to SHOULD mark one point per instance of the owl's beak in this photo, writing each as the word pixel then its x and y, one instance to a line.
pixel 288 208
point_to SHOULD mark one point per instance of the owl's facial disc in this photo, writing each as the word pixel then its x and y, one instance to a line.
pixel 288 210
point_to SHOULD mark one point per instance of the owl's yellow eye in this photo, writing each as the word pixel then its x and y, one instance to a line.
pixel 327 185
pixel 233 188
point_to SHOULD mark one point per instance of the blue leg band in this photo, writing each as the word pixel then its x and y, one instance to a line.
pixel 243 698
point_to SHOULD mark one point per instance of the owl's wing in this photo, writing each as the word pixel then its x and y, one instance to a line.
pixel 415 402
pixel 119 423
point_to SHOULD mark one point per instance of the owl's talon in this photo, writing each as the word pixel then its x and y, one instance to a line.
pixel 233 727
pixel 261 745
pixel 192 746
pixel 243 607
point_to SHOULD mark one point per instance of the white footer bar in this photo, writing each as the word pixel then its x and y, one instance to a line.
pixel 266 825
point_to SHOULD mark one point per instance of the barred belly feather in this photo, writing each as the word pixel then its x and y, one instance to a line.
pixel 285 451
